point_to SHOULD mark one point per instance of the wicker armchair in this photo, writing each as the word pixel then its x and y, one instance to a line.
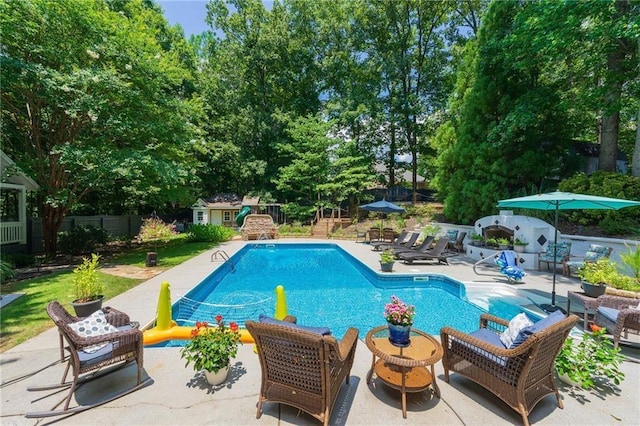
pixel 88 354
pixel 301 368
pixel 521 376
pixel 619 315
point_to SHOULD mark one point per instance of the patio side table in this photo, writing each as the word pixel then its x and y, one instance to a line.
pixel 589 304
pixel 407 369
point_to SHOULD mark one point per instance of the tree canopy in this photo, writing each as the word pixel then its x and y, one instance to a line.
pixel 111 110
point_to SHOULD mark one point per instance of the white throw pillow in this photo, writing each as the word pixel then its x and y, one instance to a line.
pixel 94 325
pixel 516 324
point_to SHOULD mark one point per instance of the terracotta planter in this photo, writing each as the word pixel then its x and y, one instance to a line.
pixel 218 378
pixel 84 309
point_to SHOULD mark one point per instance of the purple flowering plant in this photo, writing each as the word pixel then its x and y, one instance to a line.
pixel 399 313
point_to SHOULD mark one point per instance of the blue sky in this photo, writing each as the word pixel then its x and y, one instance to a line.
pixel 188 13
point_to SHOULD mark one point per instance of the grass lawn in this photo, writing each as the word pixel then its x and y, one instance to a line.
pixel 27 317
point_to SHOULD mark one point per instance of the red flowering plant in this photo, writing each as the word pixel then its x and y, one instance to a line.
pixel 211 348
pixel 399 313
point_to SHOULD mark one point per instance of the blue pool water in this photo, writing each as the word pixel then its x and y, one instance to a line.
pixel 325 286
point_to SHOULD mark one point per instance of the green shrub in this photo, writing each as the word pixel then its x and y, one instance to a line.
pixel 209 233
pixel 606 184
pixel 6 270
pixel 295 229
pixel 81 239
pixel 86 282
pixel 19 260
pixel 426 211
pixel 615 223
pixel 155 229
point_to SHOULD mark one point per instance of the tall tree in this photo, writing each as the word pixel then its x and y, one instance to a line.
pixel 263 64
pixel 407 44
pixel 590 49
pixel 87 100
pixel 511 132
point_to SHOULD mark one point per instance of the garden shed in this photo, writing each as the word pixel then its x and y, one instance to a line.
pixel 222 209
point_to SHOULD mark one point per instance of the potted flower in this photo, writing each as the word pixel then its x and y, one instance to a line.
pixel 592 358
pixel 596 275
pixel 87 286
pixel 519 245
pixel 399 316
pixel 387 259
pixel 211 349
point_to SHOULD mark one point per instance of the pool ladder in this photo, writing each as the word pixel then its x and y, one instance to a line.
pixel 221 254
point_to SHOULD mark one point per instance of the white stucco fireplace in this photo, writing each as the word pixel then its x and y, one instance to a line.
pixel 536 232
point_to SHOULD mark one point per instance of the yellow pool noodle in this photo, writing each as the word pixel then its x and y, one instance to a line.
pixel 281 303
pixel 163 321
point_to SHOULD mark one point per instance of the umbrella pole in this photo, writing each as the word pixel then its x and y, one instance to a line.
pixel 546 307
pixel 555 257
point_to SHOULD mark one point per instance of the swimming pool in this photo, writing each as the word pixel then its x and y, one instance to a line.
pixel 326 286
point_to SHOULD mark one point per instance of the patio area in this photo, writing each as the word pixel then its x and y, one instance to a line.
pixel 180 396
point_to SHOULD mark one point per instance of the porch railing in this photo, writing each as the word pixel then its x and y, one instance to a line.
pixel 10 232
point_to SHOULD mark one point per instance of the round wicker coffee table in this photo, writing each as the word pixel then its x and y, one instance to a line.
pixel 407 369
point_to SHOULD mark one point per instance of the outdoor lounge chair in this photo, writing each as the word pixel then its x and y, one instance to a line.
pixel 300 367
pixel 403 245
pixel 381 244
pixel 116 344
pixel 593 254
pixel 421 248
pixel 563 252
pixel 507 260
pixel 361 234
pixel 439 252
pixel 458 245
pixel 619 315
pixel 520 375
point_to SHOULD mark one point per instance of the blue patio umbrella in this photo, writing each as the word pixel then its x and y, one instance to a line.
pixel 564 201
pixel 382 206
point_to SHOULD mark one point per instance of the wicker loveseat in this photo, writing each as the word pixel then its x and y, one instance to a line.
pixel 520 376
pixel 301 367
pixel 258 227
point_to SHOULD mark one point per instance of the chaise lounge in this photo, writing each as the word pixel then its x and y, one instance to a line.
pixel 439 253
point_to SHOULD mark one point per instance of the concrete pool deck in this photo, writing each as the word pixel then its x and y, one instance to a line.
pixel 180 396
